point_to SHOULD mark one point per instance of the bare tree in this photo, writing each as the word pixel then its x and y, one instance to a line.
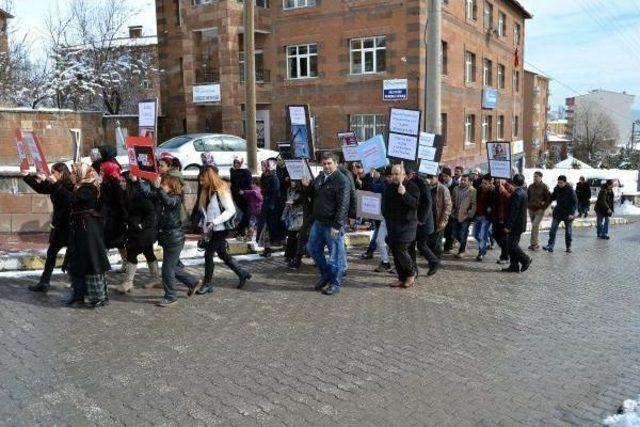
pixel 594 134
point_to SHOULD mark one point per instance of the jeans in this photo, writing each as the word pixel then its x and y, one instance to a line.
pixel 461 233
pixel 516 254
pixel 483 225
pixel 404 258
pixel 583 208
pixel 171 270
pixel 568 232
pixel 425 250
pixel 536 218
pixel 602 225
pixel 373 244
pixel 331 269
pixel 381 242
pixel 56 242
pixel 218 244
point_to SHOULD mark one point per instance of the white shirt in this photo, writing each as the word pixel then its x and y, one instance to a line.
pixel 214 214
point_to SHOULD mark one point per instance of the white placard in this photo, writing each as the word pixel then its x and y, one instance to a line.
pixel 402 146
pixel 351 153
pixel 203 94
pixel 298 116
pixel 428 167
pixel 147 114
pixel 298 169
pixel 428 139
pixel 404 121
pixel 369 205
pixel 427 153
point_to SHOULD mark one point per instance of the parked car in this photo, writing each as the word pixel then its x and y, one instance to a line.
pixel 596 183
pixel 187 148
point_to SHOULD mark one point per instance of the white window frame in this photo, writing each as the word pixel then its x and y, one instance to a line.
pixel 469 67
pixel 516 34
pixel 487 72
pixel 366 126
pixel 297 4
pixel 502 24
pixel 364 51
pixel 487 122
pixel 469 128
pixel 502 70
pixel 500 128
pixel 470 8
pixel 487 15
pixel 515 81
pixel 298 56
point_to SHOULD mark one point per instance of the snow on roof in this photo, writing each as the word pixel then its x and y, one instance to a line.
pixel 124 42
pixel 552 137
pixel 569 162
pixel 559 121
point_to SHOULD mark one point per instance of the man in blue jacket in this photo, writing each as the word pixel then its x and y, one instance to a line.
pixel 565 211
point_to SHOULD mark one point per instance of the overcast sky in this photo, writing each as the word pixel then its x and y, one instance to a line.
pixel 581 44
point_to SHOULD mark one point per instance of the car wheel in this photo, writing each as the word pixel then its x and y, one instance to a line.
pixel 192 168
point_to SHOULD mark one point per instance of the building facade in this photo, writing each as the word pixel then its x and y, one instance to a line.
pixel 4 31
pixel 335 56
pixel 536 110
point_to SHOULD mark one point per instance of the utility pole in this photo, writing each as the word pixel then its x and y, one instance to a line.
pixel 433 93
pixel 250 85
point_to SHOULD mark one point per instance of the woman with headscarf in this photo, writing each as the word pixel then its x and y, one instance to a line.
pixel 111 206
pixel 59 218
pixel 269 226
pixel 86 259
pixel 240 181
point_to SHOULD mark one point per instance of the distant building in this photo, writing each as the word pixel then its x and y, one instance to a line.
pixel 558 127
pixel 535 116
pixel 4 34
pixel 614 104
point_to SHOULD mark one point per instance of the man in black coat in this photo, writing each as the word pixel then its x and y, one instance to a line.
pixel 565 211
pixel 426 221
pixel 400 211
pixel 516 225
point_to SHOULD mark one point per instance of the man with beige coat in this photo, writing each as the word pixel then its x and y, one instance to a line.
pixel 539 199
pixel 464 210
pixel 441 212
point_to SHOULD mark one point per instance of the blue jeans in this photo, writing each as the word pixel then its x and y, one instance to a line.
pixel 172 270
pixel 482 233
pixel 461 232
pixel 568 232
pixel 602 225
pixel 331 269
pixel 583 207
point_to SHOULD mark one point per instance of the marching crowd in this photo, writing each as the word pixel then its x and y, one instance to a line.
pixel 101 206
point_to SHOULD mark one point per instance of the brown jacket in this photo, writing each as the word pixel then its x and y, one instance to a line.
pixel 465 208
pixel 539 196
pixel 443 206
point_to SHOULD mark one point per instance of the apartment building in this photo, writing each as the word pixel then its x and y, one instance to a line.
pixel 535 117
pixel 335 55
pixel 4 34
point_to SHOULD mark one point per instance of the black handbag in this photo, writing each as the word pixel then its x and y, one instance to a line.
pixel 233 222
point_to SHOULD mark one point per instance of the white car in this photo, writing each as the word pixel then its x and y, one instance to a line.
pixel 188 148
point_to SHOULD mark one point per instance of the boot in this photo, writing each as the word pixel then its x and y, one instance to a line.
pixel 243 274
pixel 154 272
pixel 130 273
pixel 73 298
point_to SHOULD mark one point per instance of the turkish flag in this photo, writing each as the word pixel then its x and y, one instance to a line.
pixel 516 58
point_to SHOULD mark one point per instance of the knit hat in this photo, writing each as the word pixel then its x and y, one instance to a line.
pixel 110 170
pixel 208 159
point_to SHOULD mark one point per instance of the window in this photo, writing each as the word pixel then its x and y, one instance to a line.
pixel 487 72
pixel 516 34
pixel 488 15
pixel 471 9
pixel 145 84
pixel 516 126
pixel 302 61
pixel 470 129
pixel 230 143
pixel 294 4
pixel 500 128
pixel 502 24
pixel 445 58
pixel 501 73
pixel 207 144
pixel 443 124
pixel 367 126
pixel 199 2
pixel 516 81
pixel 368 55
pixel 259 66
pixel 178 16
pixel 469 67
pixel 487 124
pixel 181 71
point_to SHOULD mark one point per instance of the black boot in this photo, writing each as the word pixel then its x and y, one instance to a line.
pixel 40 287
pixel 295 263
pixel 74 298
pixel 205 289
pixel 243 274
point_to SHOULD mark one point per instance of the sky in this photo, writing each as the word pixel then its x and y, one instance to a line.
pixel 581 44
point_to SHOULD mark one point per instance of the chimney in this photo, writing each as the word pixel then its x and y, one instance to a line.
pixel 135 31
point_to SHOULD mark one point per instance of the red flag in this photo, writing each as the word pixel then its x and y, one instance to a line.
pixel 516 59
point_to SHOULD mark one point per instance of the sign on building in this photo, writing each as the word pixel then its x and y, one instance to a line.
pixel 490 98
pixel 395 90
pixel 206 94
pixel 404 133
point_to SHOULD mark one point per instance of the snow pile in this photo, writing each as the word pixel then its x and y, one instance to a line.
pixel 629 416
pixel 628 208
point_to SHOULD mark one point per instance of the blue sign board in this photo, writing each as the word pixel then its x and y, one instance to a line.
pixel 490 98
pixel 395 90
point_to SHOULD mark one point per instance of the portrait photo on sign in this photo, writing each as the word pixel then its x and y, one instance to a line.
pixel 499 151
pixel 300 140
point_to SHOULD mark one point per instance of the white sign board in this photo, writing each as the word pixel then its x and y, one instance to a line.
pixel 428 167
pixel 351 153
pixel 404 121
pixel 499 156
pixel 369 205
pixel 402 146
pixel 204 94
pixel 298 169
pixel 395 90
pixel 147 114
pixel 298 116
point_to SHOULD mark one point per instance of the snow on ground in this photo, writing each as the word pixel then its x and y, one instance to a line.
pixel 630 416
pixel 628 208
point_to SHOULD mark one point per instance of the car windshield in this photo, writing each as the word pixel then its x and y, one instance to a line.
pixel 176 142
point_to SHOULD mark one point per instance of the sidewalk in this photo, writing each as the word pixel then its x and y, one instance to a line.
pixel 20 252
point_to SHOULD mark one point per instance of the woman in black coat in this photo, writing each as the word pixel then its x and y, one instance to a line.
pixel 112 208
pixel 270 228
pixel 240 180
pixel 86 260
pixel 59 218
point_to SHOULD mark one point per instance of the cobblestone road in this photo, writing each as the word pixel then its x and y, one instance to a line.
pixel 557 345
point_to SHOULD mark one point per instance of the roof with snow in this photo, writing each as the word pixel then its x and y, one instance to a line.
pixel 553 137
pixel 569 162
pixel 559 121
pixel 124 42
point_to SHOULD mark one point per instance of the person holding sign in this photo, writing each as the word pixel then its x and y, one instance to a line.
pixel 400 211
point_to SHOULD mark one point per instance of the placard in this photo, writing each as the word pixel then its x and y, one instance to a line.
pixel 373 153
pixel 403 121
pixel 351 153
pixel 369 205
pixel 395 90
pixel 499 157
pixel 402 146
pixel 430 147
pixel 32 142
pixel 148 118
pixel 298 169
pixel 76 141
pixel 297 115
pixel 428 167
pixel 300 131
pixel 489 98
pixel 142 161
pixel 347 138
pixel 206 94
pixel 23 160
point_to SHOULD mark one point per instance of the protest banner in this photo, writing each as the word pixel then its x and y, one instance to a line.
pixel 430 146
pixel 34 148
pixel 499 159
pixel 347 138
pixel 148 118
pixel 76 141
pixel 402 146
pixel 299 124
pixel 22 152
pixel 403 135
pixel 373 153
pixel 298 169
pixel 428 167
pixel 368 205
pixel 351 153
pixel 142 161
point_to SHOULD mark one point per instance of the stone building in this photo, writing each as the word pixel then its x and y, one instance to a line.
pixel 536 109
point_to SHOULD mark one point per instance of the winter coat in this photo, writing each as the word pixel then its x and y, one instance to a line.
pixel 485 201
pixel 583 191
pixel 61 206
pixel 538 196
pixel 464 203
pixel 425 206
pixel 604 204
pixel 331 199
pixel 254 201
pixel 400 212
pixel 517 217
pixel 112 209
pixel 442 206
pixel 141 218
pixel 501 204
pixel 566 202
pixel 86 253
pixel 352 191
pixel 220 209
pixel 240 180
pixel 170 233
pixel 272 206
